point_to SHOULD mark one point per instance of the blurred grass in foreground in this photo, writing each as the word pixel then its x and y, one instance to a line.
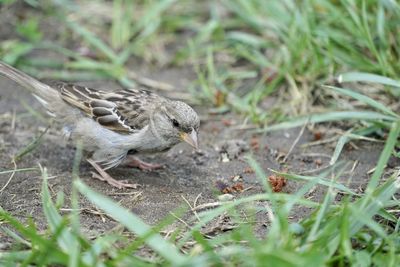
pixel 360 231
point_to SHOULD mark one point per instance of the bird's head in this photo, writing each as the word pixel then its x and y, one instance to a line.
pixel 175 121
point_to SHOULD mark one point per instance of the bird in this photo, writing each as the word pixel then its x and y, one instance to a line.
pixel 113 127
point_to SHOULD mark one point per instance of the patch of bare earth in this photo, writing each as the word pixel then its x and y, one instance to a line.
pixel 191 179
pixel 195 180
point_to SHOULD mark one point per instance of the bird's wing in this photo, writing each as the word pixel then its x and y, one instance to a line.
pixel 121 111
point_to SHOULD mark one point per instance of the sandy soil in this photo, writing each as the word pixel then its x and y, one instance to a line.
pixel 187 174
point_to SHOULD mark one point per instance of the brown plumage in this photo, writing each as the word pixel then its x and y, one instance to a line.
pixel 112 109
pixel 111 124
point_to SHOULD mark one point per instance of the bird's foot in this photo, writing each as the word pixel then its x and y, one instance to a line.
pixel 111 181
pixel 102 175
pixel 142 165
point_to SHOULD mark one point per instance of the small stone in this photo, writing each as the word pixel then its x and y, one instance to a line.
pixel 236 178
pixel 225 197
pixel 224 157
pixel 233 148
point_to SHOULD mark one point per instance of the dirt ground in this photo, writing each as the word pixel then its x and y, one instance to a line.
pixel 188 174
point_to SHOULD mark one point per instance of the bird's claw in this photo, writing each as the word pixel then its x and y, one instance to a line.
pixel 116 183
pixel 142 165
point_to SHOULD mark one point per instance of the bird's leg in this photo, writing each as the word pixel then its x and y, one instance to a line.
pixel 103 176
pixel 132 161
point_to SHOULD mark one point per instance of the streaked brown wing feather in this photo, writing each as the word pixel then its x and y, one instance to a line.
pixel 122 111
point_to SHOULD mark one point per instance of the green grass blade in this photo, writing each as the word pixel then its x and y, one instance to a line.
pixel 207 216
pixel 30 147
pixel 319 217
pixel 121 23
pixel 33 112
pixel 40 244
pixel 370 204
pixel 338 149
pixel 133 223
pixel 153 12
pixel 346 138
pixel 365 99
pixel 385 155
pixel 317 180
pixel 15 236
pixel 54 219
pixel 367 77
pixel 246 38
pixel 144 23
pixel 329 116
pixel 103 244
pixel 92 39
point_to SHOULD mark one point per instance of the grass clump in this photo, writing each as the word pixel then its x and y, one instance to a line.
pixel 362 229
pixel 242 51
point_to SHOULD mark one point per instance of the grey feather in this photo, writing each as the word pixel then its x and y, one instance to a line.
pixel 109 124
pixel 46 95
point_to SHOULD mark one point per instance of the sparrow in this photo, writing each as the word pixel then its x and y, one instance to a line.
pixel 114 126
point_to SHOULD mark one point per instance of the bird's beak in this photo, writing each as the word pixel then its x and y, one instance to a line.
pixel 191 138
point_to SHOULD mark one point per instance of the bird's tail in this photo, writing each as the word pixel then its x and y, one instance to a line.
pixel 44 93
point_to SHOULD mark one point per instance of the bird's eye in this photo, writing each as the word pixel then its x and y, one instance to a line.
pixel 175 123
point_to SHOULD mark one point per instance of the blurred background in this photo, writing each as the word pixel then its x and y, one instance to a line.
pixel 243 55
